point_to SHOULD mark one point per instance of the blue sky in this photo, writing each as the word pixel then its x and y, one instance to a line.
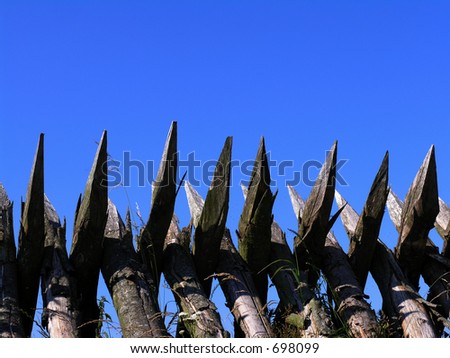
pixel 375 75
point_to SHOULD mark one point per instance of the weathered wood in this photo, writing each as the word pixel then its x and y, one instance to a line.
pixel 198 314
pixel 31 241
pixel 442 226
pixel 86 252
pixel 60 315
pixel 10 320
pixel 235 281
pixel 435 269
pixel 418 217
pixel 151 242
pixel 130 285
pixel 240 292
pixel 211 225
pixel 314 224
pixel 347 293
pixel 401 303
pixel 298 306
pixel 254 234
pixel 436 274
pixel 364 239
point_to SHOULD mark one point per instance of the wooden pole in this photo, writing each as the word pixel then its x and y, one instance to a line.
pixel 10 318
pixel 86 252
pixel 31 241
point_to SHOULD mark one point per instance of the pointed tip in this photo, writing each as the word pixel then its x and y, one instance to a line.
pixel 50 212
pixel 298 204
pixel 386 159
pixel 339 199
pixel 244 190
pixel 195 202
pixel 4 199
pixel 128 224
pixel 262 142
pixel 114 228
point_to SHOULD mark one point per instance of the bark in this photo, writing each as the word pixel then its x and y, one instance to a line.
pixel 151 242
pixel 349 296
pixel 400 302
pixel 130 285
pixel 418 217
pixel 254 232
pixel 31 241
pixel 86 252
pixel 211 225
pixel 240 292
pixel 10 320
pixel 347 293
pixel 60 316
pixel 198 314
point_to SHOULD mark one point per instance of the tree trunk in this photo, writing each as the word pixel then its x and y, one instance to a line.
pixel 131 287
pixel 60 315
pixel 198 314
pixel 400 302
pixel 242 299
pixel 10 320
pixel 347 293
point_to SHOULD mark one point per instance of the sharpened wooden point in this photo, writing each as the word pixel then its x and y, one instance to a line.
pixel 314 226
pixel 31 241
pixel 364 239
pixel 151 242
pixel 211 225
pixel 419 214
pixel 256 221
pixel 10 317
pixel 86 252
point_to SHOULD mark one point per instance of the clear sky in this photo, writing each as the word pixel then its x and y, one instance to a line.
pixel 374 75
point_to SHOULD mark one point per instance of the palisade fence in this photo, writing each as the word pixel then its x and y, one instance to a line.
pixel 189 258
